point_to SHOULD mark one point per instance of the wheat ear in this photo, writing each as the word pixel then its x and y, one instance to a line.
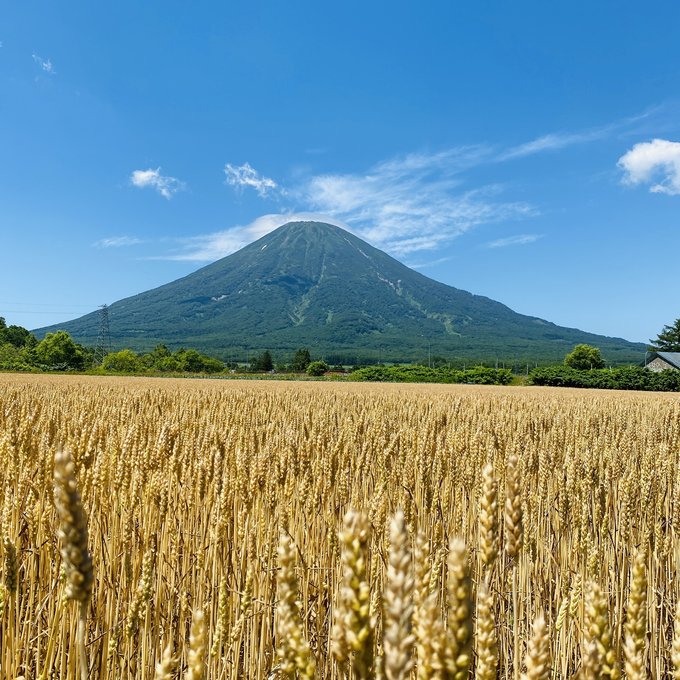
pixel 458 653
pixel 636 619
pixel 488 517
pixel 398 603
pixel 198 643
pixel 429 626
pixel 352 628
pixel 74 551
pixel 537 659
pixel 487 645
pixel 514 532
pixel 599 631
pixel 165 668
pixel 292 649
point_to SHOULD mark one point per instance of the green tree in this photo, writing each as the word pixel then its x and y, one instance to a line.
pixel 167 365
pixel 160 359
pixel 669 339
pixel 9 356
pixel 317 368
pixel 57 351
pixel 18 336
pixel 263 362
pixel 160 352
pixel 193 362
pixel 125 361
pixel 301 360
pixel 584 358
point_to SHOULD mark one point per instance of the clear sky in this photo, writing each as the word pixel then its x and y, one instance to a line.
pixel 528 151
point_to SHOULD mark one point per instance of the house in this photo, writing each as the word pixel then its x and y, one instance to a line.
pixel 662 361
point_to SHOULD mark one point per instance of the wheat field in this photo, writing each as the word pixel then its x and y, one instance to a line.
pixel 158 528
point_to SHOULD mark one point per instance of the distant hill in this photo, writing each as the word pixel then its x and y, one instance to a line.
pixel 314 285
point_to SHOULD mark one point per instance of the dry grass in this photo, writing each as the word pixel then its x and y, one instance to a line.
pixel 219 530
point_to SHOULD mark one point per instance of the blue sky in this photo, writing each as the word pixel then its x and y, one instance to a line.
pixel 528 151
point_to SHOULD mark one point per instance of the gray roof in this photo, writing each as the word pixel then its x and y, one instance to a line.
pixel 672 358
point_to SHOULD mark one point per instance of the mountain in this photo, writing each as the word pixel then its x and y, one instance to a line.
pixel 314 285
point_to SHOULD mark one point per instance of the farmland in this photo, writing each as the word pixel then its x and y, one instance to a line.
pixel 318 530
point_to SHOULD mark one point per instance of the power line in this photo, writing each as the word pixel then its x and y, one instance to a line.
pixel 45 313
pixel 41 304
pixel 25 308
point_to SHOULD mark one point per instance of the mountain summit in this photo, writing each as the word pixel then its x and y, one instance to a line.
pixel 311 284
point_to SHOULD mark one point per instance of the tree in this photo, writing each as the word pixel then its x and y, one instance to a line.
pixel 125 361
pixel 18 336
pixel 9 355
pixel 193 362
pixel 58 352
pixel 669 339
pixel 584 358
pixel 301 360
pixel 263 362
pixel 317 368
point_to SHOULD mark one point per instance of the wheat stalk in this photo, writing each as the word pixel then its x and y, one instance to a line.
pixel 74 550
pixel 398 603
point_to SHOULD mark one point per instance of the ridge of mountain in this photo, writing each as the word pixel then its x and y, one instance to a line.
pixel 315 285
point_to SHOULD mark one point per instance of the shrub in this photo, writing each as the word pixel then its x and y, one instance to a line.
pixel 317 368
pixel 125 361
pixel 626 378
pixel 479 375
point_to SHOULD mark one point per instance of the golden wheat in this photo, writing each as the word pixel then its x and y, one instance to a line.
pixel 174 494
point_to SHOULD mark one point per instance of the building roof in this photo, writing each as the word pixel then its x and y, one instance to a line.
pixel 672 358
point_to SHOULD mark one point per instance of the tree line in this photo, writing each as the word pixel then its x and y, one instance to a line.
pixel 20 350
pixel 585 367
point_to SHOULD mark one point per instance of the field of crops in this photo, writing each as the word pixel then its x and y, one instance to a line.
pixel 317 530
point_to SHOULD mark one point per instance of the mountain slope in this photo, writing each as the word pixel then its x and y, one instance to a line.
pixel 309 284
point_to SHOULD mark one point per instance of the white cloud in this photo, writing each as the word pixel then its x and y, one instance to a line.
pixel 414 202
pixel 519 240
pixel 211 247
pixel 245 175
pixel 166 186
pixel 406 204
pixel 551 142
pixel 118 242
pixel 561 140
pixel 431 263
pixel 656 163
pixel 45 64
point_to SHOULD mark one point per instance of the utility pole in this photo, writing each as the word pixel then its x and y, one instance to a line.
pixel 104 338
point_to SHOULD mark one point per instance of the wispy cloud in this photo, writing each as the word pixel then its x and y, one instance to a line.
pixel 430 263
pixel 45 64
pixel 404 205
pixel 210 247
pixel 166 186
pixel 550 142
pixel 518 240
pixel 245 176
pixel 118 242
pixel 415 202
pixel 656 163
pixel 555 141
